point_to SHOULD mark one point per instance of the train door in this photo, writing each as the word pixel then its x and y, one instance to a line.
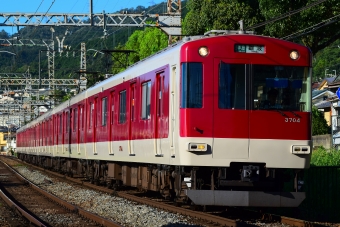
pixel 50 133
pixel 70 124
pixel 231 109
pixel 81 130
pixel 132 117
pixel 160 125
pixel 95 125
pixel 67 133
pixel 55 134
pixel 172 111
pixel 60 133
pixel 76 127
pixel 64 138
pixel 112 117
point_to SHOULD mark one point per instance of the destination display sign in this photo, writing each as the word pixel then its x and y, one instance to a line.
pixel 245 48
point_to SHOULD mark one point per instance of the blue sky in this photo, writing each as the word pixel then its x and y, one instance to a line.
pixel 68 6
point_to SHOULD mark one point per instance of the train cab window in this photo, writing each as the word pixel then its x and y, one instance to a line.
pixel 192 85
pixel 281 88
pixel 146 98
pixel 231 86
pixel 122 107
pixel 104 111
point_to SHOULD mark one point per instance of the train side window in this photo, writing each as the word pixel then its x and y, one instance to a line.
pixel 68 120
pixel 112 107
pixel 75 119
pixel 146 98
pixel 60 124
pixel 231 86
pixel 81 117
pixel 104 111
pixel 192 85
pixel 122 107
pixel 91 115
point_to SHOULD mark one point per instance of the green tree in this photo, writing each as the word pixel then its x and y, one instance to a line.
pixel 318 38
pixel 319 124
pixel 146 42
pixel 4 34
pixel 206 15
pixel 328 58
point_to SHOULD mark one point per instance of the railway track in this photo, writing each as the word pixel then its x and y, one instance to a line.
pixel 8 215
pixel 243 218
pixel 40 208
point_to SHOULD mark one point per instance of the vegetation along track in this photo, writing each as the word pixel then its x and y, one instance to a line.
pixel 39 207
pixel 215 217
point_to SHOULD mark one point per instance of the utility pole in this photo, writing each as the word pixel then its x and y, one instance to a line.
pixel 169 22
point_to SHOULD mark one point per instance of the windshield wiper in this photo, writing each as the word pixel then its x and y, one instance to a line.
pixel 279 111
pixel 295 114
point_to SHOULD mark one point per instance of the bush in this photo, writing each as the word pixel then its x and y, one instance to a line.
pixel 319 125
pixel 323 157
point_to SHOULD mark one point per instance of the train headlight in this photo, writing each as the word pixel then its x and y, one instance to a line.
pixel 203 51
pixel 197 147
pixel 294 55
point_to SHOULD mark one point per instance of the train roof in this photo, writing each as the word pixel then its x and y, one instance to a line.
pixel 122 75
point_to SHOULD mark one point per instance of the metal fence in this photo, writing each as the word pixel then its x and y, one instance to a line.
pixel 322 187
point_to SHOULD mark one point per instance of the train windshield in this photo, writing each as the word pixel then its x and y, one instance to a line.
pixel 281 88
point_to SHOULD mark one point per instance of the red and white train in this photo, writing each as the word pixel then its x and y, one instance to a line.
pixel 215 120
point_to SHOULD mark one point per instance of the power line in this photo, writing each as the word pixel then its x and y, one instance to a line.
pixel 38 7
pixel 47 11
pixel 33 32
pixel 312 28
pixel 290 13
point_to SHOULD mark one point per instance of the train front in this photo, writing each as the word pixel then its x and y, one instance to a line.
pixel 245 120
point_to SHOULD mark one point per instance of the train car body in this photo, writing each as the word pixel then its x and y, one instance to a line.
pixel 217 119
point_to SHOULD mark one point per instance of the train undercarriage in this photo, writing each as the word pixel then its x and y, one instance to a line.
pixel 241 184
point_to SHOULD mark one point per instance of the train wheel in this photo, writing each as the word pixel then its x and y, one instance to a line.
pixel 177 203
pixel 194 207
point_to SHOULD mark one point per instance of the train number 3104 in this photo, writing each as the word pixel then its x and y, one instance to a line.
pixel 292 119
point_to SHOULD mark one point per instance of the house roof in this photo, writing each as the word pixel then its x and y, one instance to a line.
pixel 323 104
pixel 336 135
pixel 316 93
pixel 328 80
pixel 315 85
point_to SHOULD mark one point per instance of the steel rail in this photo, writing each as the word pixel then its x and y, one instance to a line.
pixel 184 211
pixel 22 212
pixel 167 207
pixel 71 207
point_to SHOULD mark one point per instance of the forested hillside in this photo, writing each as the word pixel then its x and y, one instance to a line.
pixel 27 57
pixel 305 27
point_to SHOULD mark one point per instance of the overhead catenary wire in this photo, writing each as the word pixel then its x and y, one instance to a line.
pixel 313 28
pixel 282 16
pixel 34 15
pixel 35 29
